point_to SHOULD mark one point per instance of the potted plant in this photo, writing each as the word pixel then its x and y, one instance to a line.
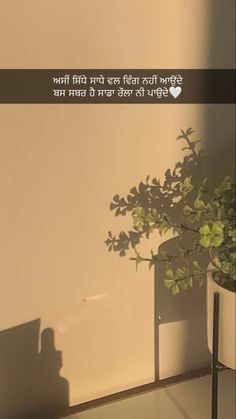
pixel 201 216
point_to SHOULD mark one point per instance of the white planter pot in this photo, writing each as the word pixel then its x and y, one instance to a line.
pixel 227 334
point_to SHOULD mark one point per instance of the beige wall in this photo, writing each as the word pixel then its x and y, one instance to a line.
pixel 104 34
pixel 60 168
pixel 61 165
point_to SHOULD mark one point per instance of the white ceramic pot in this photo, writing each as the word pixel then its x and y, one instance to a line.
pixel 227 317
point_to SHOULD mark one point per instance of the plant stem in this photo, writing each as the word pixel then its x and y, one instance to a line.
pixel 193 275
pixel 183 226
pixel 154 260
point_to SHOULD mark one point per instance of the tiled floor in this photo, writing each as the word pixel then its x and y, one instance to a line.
pixel 188 400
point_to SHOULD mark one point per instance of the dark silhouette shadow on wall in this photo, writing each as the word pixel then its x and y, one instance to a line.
pixel 30 384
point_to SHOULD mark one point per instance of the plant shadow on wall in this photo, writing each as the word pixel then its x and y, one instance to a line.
pixel 201 218
pixel 31 387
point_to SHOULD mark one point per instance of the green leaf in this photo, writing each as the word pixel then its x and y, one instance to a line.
pixel 169 283
pixel 187 210
pixel 205 241
pixel 226 267
pixel 169 274
pixel 139 217
pixel 232 234
pixel 186 186
pixel 183 285
pixel 217 228
pixel 175 289
pixel 233 258
pixel 205 229
pixel 216 241
pixel 150 219
pixel 212 237
pixel 154 212
pixel 180 273
pixel 190 281
pixel 225 186
pixel 199 204
pixel 196 265
pixel 204 182
pixel 139 211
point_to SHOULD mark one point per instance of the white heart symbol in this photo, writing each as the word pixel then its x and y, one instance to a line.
pixel 175 91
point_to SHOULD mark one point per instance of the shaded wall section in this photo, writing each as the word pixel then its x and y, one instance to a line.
pixel 175 346
pixel 31 386
pixel 220 119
